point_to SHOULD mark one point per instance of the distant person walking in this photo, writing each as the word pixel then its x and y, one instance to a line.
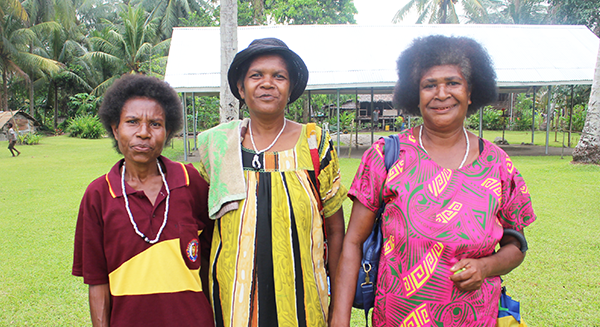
pixel 12 140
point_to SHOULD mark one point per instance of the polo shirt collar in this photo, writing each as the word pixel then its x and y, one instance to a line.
pixel 175 173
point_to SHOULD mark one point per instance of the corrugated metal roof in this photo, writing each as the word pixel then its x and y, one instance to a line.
pixel 358 56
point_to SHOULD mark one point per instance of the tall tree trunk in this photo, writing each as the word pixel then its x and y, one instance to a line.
pixel 229 104
pixel 55 105
pixel 305 109
pixel 4 102
pixel 31 97
pixel 259 11
pixel 588 148
pixel 443 11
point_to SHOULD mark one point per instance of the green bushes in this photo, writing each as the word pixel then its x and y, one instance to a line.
pixel 416 121
pixel 522 113
pixel 29 139
pixel 492 119
pixel 86 127
pixel 84 104
pixel 579 113
pixel 207 113
pixel 346 121
pixel 472 121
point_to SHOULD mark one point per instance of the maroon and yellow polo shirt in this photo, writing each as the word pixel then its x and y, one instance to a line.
pixel 150 284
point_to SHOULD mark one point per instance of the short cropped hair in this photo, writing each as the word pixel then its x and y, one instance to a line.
pixel 435 50
pixel 136 85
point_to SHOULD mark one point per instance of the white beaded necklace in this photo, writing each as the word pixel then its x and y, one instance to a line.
pixel 137 231
pixel 255 162
pixel 466 151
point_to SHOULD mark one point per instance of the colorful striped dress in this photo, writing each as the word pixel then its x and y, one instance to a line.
pixel 267 266
pixel 435 217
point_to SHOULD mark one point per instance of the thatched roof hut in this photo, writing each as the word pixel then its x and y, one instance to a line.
pixel 22 121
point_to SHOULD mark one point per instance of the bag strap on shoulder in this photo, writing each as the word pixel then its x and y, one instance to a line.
pixel 391 151
pixel 313 135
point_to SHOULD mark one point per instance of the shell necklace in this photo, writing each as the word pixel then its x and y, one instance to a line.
pixel 466 151
pixel 255 162
pixel 137 231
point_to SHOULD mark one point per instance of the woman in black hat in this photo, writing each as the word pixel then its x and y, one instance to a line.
pixel 275 193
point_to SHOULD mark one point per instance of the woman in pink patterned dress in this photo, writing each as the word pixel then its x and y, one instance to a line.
pixel 448 198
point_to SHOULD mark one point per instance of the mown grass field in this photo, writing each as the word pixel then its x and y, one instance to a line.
pixel 558 284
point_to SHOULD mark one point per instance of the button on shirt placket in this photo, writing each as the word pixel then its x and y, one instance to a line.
pixel 156 213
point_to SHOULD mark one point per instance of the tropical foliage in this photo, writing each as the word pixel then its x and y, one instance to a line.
pixel 29 139
pixel 57 57
pixel 582 12
pixel 85 127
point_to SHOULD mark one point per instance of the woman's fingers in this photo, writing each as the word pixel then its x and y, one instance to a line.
pixel 467 275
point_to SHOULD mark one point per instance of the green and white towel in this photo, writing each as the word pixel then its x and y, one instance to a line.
pixel 221 155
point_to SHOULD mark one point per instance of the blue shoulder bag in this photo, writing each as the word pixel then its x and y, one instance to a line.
pixel 364 298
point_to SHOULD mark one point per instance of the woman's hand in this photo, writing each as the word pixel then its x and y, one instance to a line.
pixel 469 274
pixel 477 270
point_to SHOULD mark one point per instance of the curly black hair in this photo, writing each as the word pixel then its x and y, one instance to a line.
pixel 426 52
pixel 135 85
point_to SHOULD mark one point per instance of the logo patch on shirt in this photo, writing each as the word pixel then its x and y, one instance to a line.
pixel 192 250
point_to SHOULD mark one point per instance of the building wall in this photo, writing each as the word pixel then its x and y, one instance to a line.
pixel 22 125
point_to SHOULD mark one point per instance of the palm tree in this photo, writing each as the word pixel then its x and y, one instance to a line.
pixel 60 38
pixel 525 11
pixel 125 47
pixel 66 45
pixel 445 11
pixel 16 52
pixel 95 13
pixel 588 148
pixel 438 11
pixel 169 12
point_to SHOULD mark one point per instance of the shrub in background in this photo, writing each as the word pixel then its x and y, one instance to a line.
pixel 522 113
pixel 207 112
pixel 472 122
pixel 346 119
pixel 86 127
pixel 579 114
pixel 29 139
pixel 492 119
pixel 84 104
pixel 414 121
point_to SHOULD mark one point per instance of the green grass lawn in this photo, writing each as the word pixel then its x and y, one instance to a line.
pixel 558 284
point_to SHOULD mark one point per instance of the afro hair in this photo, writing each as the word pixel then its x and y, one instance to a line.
pixel 435 50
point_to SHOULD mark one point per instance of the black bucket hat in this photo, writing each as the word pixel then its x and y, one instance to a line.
pixel 298 71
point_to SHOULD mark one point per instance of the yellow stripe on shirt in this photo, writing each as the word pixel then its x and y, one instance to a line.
pixel 159 269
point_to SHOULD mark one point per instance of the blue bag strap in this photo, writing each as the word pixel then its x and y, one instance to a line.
pixel 368 292
pixel 391 153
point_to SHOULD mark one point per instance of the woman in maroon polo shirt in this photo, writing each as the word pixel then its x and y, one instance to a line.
pixel 143 228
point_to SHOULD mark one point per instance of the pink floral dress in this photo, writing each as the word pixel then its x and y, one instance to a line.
pixel 433 218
